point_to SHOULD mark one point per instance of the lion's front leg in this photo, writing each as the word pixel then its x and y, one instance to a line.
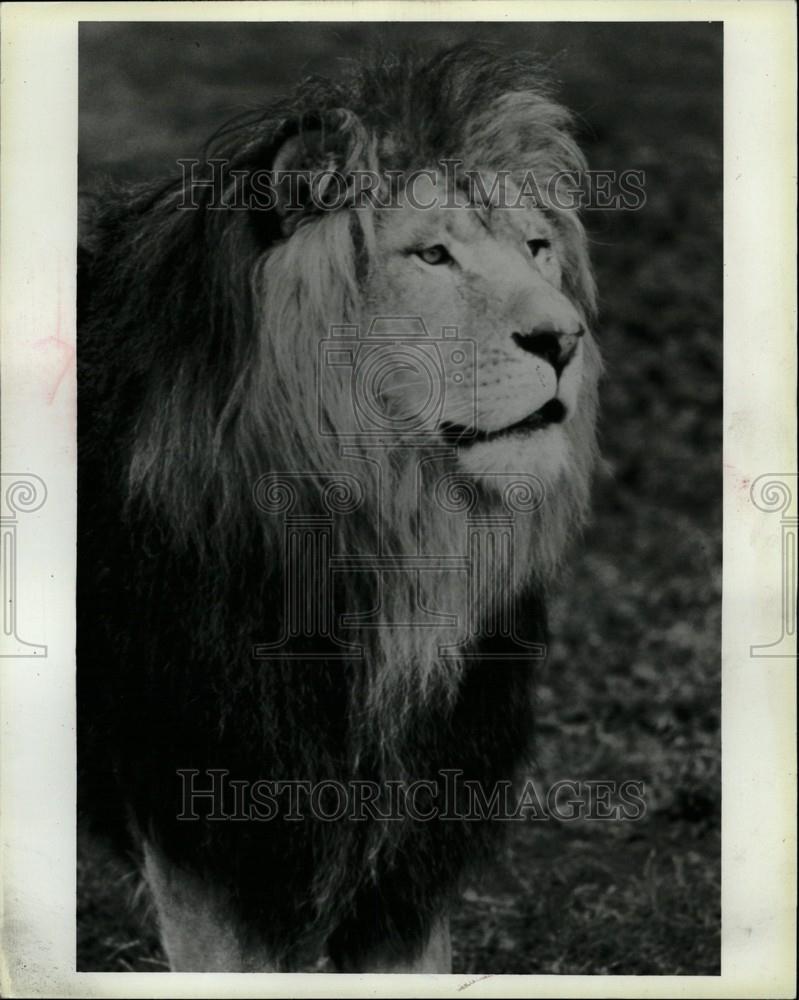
pixel 435 957
pixel 196 932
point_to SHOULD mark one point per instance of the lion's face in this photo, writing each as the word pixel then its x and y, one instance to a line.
pixel 492 276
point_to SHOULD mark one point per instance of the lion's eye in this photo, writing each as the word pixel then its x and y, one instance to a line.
pixel 536 246
pixel 434 255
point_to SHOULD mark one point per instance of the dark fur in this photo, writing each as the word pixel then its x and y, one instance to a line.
pixel 174 576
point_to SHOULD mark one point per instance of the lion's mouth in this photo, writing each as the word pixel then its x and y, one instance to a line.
pixel 550 413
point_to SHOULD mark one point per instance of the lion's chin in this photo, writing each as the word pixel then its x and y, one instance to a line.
pixel 543 453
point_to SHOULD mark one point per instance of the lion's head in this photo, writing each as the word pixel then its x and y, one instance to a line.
pixel 379 287
pixel 493 274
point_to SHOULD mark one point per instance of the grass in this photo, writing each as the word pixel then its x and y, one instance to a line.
pixel 631 690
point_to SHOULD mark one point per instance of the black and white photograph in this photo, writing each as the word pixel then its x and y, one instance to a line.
pixel 399 502
pixel 395 364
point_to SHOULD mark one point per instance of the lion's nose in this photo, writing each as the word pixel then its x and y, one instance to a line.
pixel 548 342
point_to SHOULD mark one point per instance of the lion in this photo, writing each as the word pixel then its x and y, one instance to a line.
pixel 337 427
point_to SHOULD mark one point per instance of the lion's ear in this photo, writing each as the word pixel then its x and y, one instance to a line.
pixel 313 166
pixel 307 150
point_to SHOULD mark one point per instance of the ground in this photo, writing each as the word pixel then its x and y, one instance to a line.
pixel 632 689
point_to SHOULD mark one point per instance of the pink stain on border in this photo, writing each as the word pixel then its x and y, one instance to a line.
pixel 65 351
pixel 740 482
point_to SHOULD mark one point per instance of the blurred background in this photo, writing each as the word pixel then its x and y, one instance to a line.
pixel 631 691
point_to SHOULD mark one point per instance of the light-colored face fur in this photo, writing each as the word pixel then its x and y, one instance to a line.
pixel 479 281
pixel 488 272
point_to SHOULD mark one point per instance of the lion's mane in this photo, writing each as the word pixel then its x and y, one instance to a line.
pixel 197 383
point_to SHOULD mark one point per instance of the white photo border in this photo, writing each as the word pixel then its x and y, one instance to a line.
pixel 38 239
